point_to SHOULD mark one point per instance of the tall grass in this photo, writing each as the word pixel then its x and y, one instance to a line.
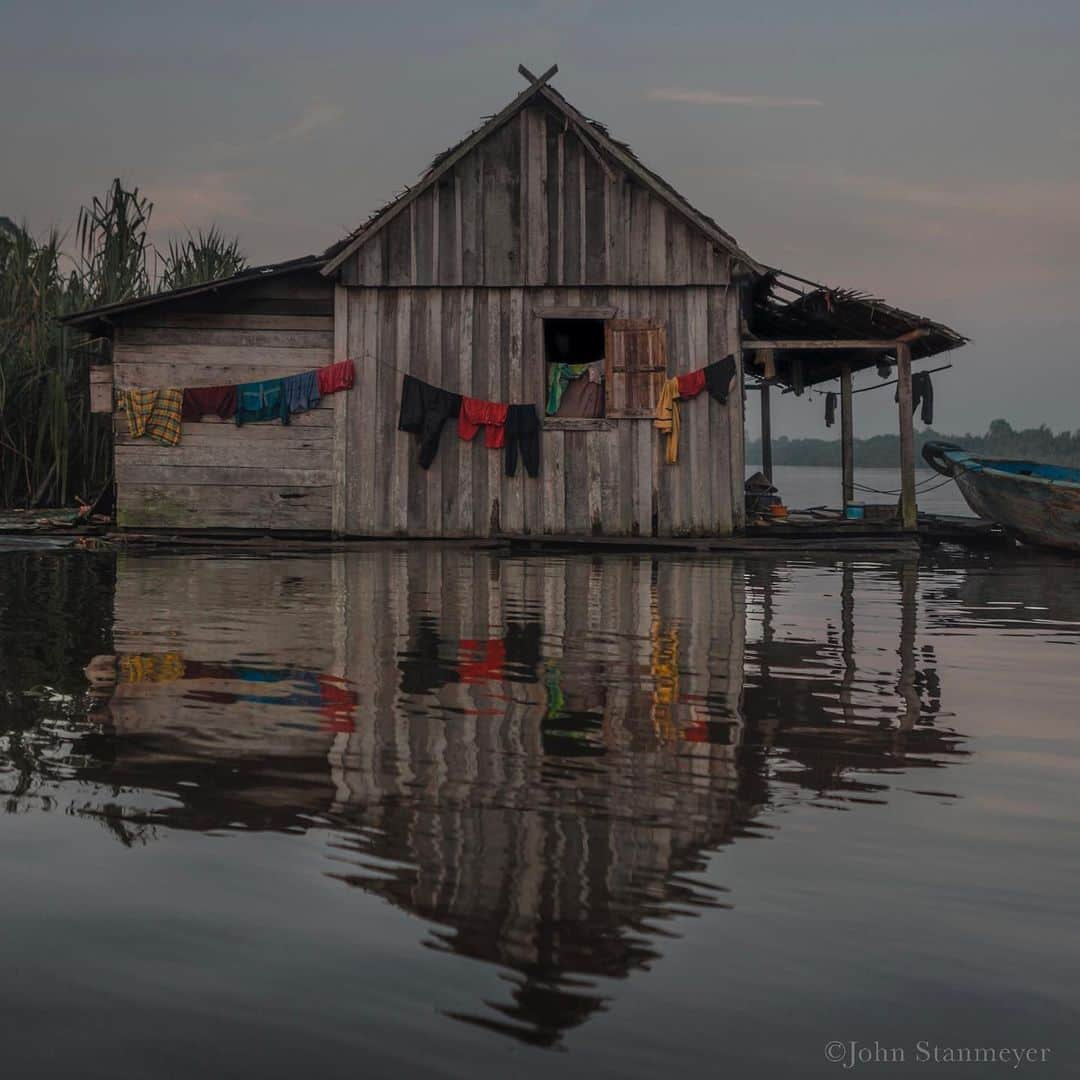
pixel 201 257
pixel 52 448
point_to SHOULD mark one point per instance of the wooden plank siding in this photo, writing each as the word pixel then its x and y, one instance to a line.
pixel 531 205
pixel 262 476
pixel 488 342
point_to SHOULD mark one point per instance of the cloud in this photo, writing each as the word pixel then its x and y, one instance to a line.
pixel 198 200
pixel 711 97
pixel 1050 202
pixel 316 117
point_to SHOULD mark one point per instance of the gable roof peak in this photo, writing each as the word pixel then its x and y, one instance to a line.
pixel 594 137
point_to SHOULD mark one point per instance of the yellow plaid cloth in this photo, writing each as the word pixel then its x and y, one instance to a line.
pixel 155 413
pixel 167 667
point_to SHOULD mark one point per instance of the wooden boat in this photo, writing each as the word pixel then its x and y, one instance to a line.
pixel 1038 504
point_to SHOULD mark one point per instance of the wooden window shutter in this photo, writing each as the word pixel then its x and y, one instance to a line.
pixel 635 366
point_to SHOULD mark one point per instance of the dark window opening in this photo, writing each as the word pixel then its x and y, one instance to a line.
pixel 574 351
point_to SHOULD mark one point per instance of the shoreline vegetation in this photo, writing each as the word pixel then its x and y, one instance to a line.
pixel 53 450
pixel 883 451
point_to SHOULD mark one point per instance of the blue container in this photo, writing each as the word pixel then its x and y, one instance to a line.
pixel 855 511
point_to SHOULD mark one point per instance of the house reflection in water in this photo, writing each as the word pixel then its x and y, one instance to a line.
pixel 536 755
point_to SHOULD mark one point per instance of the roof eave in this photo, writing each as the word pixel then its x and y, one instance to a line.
pixel 102 312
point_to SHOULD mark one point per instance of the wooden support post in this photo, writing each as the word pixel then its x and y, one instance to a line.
pixel 908 507
pixel 847 434
pixel 766 432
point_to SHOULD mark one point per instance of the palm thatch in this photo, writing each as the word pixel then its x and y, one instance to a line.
pixel 789 308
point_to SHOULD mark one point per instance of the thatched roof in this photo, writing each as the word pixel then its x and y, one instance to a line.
pixel 789 308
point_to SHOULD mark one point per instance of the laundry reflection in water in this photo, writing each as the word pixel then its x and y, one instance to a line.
pixel 534 755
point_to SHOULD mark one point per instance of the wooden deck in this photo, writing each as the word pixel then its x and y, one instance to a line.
pixel 819 531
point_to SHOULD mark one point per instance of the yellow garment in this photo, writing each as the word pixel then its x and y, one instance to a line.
pixel 138 404
pixel 138 668
pixel 664 670
pixel 667 418
pixel 155 413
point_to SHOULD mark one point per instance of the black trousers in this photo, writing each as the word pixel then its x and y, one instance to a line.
pixel 424 411
pixel 522 434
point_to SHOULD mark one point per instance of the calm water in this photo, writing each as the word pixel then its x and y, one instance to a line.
pixel 432 812
pixel 818 485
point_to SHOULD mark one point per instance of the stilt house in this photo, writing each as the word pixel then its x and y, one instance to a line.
pixel 537 239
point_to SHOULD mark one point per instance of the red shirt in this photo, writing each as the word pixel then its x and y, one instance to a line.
pixel 476 414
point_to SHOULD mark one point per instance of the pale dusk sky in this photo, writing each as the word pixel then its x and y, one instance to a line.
pixel 926 152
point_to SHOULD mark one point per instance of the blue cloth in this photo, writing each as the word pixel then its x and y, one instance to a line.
pixel 302 391
pixel 260 401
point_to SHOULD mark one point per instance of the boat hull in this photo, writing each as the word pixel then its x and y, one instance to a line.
pixel 1034 513
pixel 1035 503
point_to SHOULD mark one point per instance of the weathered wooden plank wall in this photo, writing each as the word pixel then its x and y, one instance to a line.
pixel 488 342
pixel 265 476
pixel 531 205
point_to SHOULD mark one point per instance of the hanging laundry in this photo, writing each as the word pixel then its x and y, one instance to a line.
pixel 334 377
pixel 884 368
pixel 583 398
pixel 523 434
pixel 216 400
pixel 922 393
pixel 667 418
pixel 692 384
pixel 155 413
pixel 718 378
pixel 260 401
pixel 301 392
pixel 138 405
pixel 830 409
pixel 476 413
pixel 424 411
pixel 559 377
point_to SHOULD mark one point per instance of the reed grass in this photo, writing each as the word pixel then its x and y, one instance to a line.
pixel 52 448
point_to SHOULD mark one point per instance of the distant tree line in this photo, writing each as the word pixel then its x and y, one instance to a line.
pixel 1001 440
pixel 52 448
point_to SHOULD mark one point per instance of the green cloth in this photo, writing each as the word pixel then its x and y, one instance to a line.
pixel 556 699
pixel 559 376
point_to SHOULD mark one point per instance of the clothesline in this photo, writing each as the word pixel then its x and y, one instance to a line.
pixel 159 412
pixel 759 382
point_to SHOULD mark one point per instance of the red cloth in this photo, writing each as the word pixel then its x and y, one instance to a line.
pixel 476 414
pixel 691 385
pixel 486 663
pixel 220 400
pixel 337 703
pixel 338 376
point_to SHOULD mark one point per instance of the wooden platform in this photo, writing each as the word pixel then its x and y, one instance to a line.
pixel 808 531
pixel 818 531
